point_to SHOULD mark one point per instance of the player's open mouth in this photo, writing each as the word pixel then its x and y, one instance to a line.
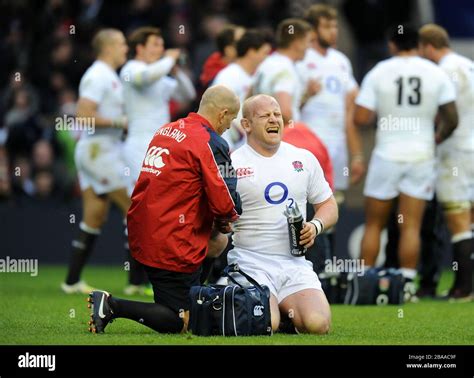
pixel 273 130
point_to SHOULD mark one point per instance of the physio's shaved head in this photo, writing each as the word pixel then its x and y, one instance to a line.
pixel 219 105
pixel 103 38
pixel 256 102
pixel 219 97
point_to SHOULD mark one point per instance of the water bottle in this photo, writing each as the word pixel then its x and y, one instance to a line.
pixel 294 218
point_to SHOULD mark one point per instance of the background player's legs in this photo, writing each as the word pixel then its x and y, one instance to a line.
pixel 410 212
pixel 393 236
pixel 459 224
pixel 376 216
pixel 309 311
pixel 121 199
pixel 472 216
pixel 434 241
pixel 472 240
pixel 136 274
pixel 410 217
pixel 95 210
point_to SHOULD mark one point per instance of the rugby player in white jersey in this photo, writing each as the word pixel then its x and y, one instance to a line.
pixel 406 92
pixel 148 89
pixel 98 156
pixel 147 93
pixel 272 174
pixel 252 48
pixel 277 75
pixel 455 181
pixel 329 113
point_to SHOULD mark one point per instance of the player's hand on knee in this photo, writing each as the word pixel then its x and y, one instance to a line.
pixel 308 234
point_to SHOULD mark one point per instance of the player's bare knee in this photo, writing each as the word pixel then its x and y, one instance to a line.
pixel 275 321
pixel 121 199
pixel 275 313
pixel 95 218
pixel 315 324
pixel 95 222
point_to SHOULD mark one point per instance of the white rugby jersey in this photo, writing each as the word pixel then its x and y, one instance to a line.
pixel 101 84
pixel 266 185
pixel 236 78
pixel 405 92
pixel 277 73
pixel 461 72
pixel 325 112
pixel 146 105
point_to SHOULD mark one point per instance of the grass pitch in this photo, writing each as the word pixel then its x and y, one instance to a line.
pixel 33 311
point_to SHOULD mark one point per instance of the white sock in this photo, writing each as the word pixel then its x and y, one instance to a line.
pixel 466 235
pixel 408 273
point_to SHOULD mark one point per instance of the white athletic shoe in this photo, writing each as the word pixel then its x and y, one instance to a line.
pixel 138 290
pixel 80 287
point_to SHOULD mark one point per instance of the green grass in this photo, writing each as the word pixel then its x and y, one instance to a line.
pixel 34 311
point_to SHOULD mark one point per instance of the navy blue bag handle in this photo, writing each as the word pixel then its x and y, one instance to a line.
pixel 234 268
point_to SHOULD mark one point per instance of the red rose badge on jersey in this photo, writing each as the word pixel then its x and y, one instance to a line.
pixel 297 165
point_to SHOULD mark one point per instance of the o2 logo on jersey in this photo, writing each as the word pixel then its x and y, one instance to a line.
pixel 282 196
pixel 333 84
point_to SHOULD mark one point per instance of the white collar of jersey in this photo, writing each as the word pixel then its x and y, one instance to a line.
pixel 328 52
pixel 448 55
pixel 265 157
pixel 102 63
pixel 276 53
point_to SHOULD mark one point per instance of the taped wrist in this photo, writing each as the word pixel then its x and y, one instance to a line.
pixel 318 224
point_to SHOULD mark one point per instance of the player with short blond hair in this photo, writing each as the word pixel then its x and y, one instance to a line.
pixel 277 75
pixel 455 180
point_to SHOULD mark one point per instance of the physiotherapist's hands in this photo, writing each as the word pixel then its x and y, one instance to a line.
pixel 222 225
pixel 308 234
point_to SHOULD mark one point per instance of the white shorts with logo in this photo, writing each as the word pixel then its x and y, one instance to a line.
pixel 455 181
pixel 387 179
pixel 284 275
pixel 99 164
pixel 134 151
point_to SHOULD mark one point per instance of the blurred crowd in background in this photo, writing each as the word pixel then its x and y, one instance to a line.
pixel 45 49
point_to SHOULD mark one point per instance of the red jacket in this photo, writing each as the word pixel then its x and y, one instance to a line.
pixel 178 193
pixel 301 136
pixel 211 68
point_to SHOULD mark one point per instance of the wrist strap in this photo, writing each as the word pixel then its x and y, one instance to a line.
pixel 318 224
